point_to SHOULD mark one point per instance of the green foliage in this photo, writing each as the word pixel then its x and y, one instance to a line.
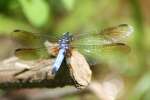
pixel 69 4
pixel 142 87
pixel 8 24
pixel 36 11
pixel 4 5
pixel 80 16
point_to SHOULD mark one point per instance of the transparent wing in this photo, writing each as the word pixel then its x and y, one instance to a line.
pixel 37 53
pixel 89 39
pixel 106 36
pixel 34 45
pixel 96 53
pixel 117 33
pixel 31 53
pixel 32 39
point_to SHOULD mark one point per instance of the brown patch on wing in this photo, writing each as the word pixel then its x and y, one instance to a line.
pixel 53 48
pixel 116 47
pixel 27 53
pixel 117 33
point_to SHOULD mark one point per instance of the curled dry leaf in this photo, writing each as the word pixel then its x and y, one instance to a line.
pixel 79 69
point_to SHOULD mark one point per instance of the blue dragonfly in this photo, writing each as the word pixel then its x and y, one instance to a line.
pixel 107 39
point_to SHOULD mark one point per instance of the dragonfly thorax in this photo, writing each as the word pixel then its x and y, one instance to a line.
pixel 64 42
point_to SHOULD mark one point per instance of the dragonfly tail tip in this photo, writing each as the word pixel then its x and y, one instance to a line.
pixel 54 70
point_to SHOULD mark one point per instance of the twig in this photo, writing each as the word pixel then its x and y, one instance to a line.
pixel 15 73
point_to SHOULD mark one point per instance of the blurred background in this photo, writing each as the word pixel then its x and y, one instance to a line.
pixel 121 77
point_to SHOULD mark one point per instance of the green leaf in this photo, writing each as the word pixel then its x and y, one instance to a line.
pixel 36 11
pixel 142 87
pixel 68 4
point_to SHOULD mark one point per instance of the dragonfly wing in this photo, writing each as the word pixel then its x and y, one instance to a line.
pixel 31 53
pixel 32 39
pixel 116 47
pixel 89 40
pixel 26 38
pixel 95 53
pixel 79 68
pixel 116 33
pixel 106 36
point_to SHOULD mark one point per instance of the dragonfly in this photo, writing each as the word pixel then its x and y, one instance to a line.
pixel 64 46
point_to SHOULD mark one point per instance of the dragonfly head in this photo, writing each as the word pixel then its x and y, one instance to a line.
pixel 65 40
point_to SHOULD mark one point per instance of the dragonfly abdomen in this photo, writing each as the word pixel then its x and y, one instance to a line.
pixel 58 61
pixel 63 46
